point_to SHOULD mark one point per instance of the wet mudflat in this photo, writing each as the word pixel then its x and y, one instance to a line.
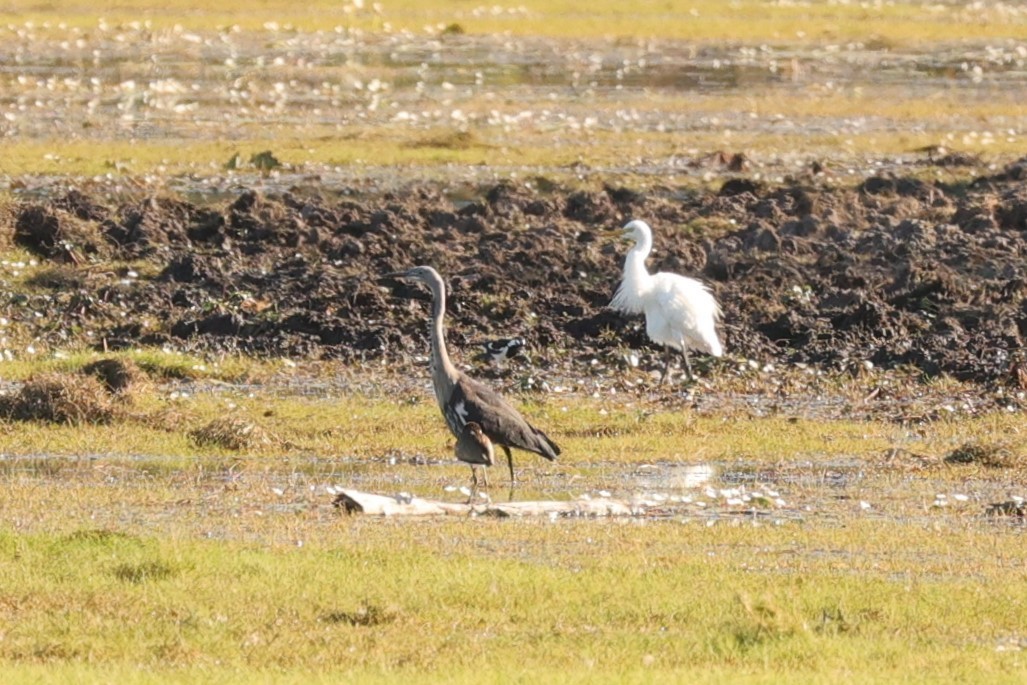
pixel 847 483
pixel 893 274
pixel 133 105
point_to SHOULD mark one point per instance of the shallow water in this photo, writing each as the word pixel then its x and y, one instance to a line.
pixel 823 493
pixel 174 86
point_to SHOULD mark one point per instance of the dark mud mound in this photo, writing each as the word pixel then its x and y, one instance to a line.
pixel 896 272
pixel 61 235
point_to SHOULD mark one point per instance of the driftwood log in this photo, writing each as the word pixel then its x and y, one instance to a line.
pixel 356 502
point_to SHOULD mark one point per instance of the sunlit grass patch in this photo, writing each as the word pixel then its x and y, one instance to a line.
pixel 231 433
pixel 622 429
pixel 704 20
pixel 620 154
pixel 478 597
pixel 158 364
pixel 132 544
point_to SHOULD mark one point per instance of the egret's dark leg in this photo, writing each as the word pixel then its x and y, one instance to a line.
pixel 688 364
pixel 666 364
pixel 509 461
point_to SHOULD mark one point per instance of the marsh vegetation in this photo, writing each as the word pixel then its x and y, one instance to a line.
pixel 196 353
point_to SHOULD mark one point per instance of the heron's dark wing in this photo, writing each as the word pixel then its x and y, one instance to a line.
pixel 473 401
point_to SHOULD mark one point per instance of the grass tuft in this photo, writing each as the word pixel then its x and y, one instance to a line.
pixel 232 433
pixel 118 376
pixel 61 398
pixel 992 455
pixel 368 615
pixel 449 140
pixel 144 571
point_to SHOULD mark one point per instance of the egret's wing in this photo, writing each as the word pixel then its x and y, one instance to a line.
pixel 689 308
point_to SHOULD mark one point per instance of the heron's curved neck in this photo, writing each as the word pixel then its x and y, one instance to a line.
pixel 439 356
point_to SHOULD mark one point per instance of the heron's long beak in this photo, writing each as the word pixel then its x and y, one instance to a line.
pixel 394 274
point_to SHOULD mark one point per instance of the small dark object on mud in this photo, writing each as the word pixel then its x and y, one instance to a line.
pixel 737 186
pixel 231 433
pixel 347 504
pixel 738 162
pixel 993 456
pixel 1008 508
pixel 118 376
pixel 959 159
pixel 265 161
pixel 60 398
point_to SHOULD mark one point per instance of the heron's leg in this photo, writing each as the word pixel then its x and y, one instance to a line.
pixel 509 461
pixel 485 475
pixel 474 484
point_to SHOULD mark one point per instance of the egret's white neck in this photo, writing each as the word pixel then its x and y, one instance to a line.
pixel 635 261
pixel 636 282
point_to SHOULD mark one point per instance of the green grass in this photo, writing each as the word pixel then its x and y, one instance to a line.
pixel 743 21
pixel 130 552
pixel 604 149
pixel 163 365
pixel 390 420
pixel 391 415
pixel 391 601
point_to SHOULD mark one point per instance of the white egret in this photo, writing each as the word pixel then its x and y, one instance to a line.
pixel 680 312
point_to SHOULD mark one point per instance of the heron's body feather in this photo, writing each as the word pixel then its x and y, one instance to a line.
pixel 498 419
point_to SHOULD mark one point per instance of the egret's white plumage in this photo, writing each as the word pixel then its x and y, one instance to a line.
pixel 680 312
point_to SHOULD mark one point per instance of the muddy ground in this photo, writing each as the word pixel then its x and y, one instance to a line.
pixel 896 272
